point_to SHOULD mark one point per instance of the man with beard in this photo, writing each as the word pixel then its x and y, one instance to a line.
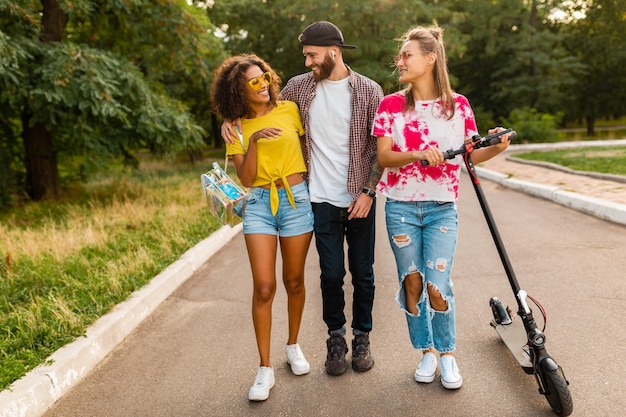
pixel 337 107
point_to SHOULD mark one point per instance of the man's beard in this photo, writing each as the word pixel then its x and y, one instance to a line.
pixel 324 69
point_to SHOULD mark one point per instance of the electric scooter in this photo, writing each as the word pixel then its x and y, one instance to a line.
pixel 519 331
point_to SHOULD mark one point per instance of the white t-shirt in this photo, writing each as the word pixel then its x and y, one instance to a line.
pixel 329 122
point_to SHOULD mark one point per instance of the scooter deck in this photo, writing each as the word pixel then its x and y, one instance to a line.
pixel 514 337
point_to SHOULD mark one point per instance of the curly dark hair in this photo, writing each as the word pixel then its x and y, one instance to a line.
pixel 229 83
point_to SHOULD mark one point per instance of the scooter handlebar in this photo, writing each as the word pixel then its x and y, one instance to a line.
pixel 494 139
pixel 477 142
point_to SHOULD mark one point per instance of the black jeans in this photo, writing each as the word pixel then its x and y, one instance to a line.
pixel 331 227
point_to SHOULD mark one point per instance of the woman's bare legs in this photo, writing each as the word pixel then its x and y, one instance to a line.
pixel 294 251
pixel 262 253
pixel 413 287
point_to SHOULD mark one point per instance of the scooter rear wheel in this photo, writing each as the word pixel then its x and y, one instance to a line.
pixel 554 386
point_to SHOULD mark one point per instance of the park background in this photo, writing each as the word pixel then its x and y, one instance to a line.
pixel 105 123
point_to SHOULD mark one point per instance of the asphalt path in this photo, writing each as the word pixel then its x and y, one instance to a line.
pixel 196 354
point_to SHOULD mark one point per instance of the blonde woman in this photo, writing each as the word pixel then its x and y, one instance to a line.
pixel 412 125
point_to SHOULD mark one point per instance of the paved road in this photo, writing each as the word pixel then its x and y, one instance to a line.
pixel 196 355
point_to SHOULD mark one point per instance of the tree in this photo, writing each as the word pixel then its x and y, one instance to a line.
pixel 10 74
pixel 514 58
pixel 271 29
pixel 595 33
pixel 100 78
pixel 502 54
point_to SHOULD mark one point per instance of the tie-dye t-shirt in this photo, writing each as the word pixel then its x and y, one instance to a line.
pixel 415 131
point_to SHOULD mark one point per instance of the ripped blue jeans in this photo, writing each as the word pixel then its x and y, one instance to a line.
pixel 423 236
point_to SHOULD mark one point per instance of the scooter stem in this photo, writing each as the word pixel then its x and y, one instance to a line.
pixel 521 296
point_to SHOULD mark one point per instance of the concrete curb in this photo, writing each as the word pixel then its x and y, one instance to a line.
pixel 605 210
pixel 36 392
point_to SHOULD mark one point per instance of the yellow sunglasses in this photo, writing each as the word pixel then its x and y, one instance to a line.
pixel 257 82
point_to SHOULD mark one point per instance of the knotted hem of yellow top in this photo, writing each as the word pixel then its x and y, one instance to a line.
pixel 274 200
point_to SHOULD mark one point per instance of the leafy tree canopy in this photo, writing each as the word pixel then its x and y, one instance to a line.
pixel 501 54
pixel 271 29
pixel 103 78
pixel 595 34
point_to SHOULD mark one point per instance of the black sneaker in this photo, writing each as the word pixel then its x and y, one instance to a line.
pixel 336 363
pixel 361 356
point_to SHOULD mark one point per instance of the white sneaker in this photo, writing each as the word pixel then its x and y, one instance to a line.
pixel 425 371
pixel 450 376
pixel 264 381
pixel 295 358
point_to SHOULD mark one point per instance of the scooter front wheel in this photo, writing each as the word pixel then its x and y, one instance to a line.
pixel 554 387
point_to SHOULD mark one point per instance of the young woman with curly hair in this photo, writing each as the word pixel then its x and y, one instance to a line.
pixel 277 209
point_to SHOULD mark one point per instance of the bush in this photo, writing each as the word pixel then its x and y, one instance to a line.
pixel 534 127
pixel 484 120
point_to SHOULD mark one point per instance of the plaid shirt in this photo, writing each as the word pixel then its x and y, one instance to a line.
pixel 363 168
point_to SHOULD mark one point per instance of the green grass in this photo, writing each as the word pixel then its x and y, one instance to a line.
pixel 607 160
pixel 65 264
pixel 601 134
pixel 604 129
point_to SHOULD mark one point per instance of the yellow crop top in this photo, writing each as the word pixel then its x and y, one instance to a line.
pixel 279 157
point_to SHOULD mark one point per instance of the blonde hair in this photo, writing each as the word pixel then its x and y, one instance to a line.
pixel 431 40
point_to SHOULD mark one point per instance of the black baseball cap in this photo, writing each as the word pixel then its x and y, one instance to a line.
pixel 323 33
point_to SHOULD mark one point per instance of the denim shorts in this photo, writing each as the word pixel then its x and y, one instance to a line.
pixel 258 218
